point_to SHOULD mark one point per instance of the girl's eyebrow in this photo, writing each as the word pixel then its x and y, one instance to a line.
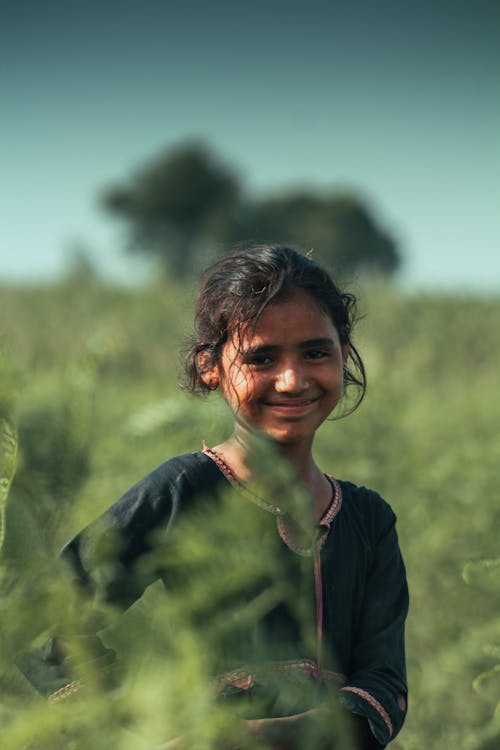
pixel 317 342
pixel 309 343
pixel 260 349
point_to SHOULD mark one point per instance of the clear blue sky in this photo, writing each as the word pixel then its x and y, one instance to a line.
pixel 396 99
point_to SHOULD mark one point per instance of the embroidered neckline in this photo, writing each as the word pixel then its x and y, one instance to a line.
pixel 283 519
pixel 286 523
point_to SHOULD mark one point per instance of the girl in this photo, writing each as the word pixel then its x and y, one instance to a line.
pixel 273 336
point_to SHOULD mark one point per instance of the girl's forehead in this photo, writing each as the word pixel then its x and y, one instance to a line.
pixel 296 318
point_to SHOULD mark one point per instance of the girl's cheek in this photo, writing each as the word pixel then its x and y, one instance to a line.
pixel 239 385
pixel 245 380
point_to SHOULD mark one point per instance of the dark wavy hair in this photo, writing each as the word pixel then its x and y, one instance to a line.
pixel 235 291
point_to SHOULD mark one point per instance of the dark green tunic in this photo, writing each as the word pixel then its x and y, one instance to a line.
pixel 363 584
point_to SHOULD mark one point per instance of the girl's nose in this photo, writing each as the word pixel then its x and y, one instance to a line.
pixel 290 380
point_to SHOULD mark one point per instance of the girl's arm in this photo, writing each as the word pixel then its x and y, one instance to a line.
pixel 292 732
pixel 376 686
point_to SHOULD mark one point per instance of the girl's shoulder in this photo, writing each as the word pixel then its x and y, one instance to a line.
pixel 178 479
pixel 187 468
pixel 366 507
pixel 150 505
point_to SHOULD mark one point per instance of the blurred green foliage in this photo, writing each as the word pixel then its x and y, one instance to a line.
pixel 90 378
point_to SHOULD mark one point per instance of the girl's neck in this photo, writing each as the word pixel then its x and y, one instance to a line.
pixel 242 448
pixel 240 454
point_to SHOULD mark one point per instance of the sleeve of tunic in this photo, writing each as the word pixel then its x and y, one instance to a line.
pixel 113 556
pixel 116 558
pixel 376 686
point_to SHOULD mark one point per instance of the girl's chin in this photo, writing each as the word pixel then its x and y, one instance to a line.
pixel 289 437
pixel 279 435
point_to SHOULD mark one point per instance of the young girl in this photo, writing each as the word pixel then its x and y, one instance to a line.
pixel 273 336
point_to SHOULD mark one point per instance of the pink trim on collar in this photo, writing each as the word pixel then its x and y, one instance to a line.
pixel 228 473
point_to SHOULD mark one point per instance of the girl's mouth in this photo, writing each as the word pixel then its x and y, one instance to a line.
pixel 291 407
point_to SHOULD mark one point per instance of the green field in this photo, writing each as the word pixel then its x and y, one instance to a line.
pixel 90 378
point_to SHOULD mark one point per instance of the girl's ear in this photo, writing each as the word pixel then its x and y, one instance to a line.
pixel 345 352
pixel 211 378
pixel 209 373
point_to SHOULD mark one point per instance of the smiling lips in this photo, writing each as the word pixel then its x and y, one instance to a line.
pixel 292 406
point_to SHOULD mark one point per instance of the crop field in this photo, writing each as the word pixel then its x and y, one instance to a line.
pixel 90 385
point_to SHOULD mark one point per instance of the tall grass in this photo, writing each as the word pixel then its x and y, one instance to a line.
pixel 90 378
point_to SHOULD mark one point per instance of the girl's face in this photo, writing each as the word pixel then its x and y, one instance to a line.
pixel 286 375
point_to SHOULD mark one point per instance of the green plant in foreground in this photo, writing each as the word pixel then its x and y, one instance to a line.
pixel 8 462
pixel 485 574
pixel 170 648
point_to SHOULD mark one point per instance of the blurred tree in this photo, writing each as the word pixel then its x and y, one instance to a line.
pixel 185 203
pixel 339 228
pixel 175 204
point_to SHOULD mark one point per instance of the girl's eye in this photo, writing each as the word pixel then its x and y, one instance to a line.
pixel 258 360
pixel 317 354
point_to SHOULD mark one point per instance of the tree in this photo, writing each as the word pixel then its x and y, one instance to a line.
pixel 339 228
pixel 186 203
pixel 175 204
